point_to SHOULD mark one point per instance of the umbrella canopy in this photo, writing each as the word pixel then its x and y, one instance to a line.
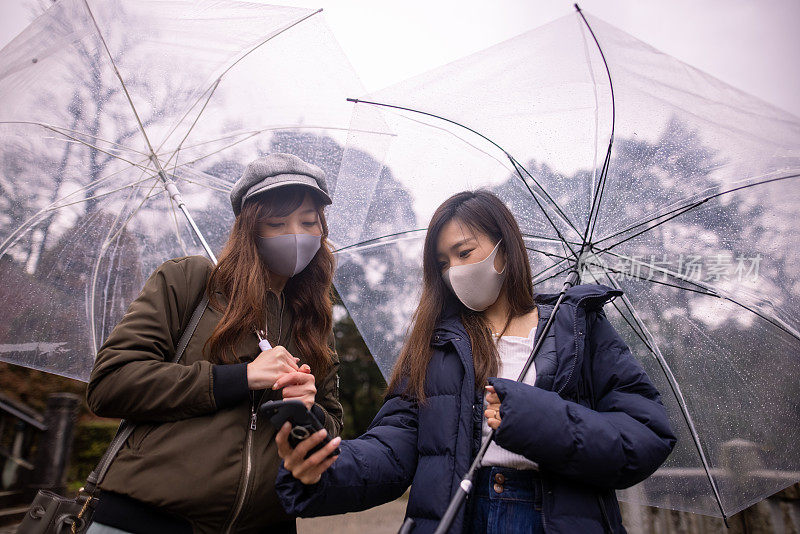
pixel 692 212
pixel 108 104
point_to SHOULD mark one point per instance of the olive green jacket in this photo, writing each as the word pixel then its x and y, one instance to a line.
pixel 192 454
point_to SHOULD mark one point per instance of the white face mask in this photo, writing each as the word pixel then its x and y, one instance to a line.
pixel 288 254
pixel 477 285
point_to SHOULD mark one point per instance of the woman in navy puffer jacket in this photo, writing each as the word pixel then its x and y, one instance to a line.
pixel 586 419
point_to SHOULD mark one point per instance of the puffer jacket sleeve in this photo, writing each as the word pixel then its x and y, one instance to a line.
pixel 133 377
pixel 620 444
pixel 327 408
pixel 374 469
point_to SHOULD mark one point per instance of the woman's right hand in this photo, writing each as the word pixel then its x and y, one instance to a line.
pixel 306 470
pixel 268 366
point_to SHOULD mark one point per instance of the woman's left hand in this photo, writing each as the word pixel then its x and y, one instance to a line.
pixel 492 412
pixel 298 385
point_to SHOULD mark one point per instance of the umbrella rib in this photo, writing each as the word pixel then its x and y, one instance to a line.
pixel 212 88
pixel 376 239
pixel 450 132
pixel 513 161
pixel 100 195
pixel 146 197
pixel 56 203
pixel 554 265
pixel 168 184
pixel 57 130
pixel 676 391
pixel 216 82
pixel 634 327
pixel 268 39
pixel 250 135
pixel 12 238
pixel 662 270
pixel 595 209
pixel 683 209
pixel 562 271
pixel 709 291
pixel 199 176
pixel 205 156
pixel 564 241
pixel 153 156
pixel 601 184
pixel 219 188
pixel 660 282
pixel 60 130
pixel 545 238
pixel 548 254
pixel 595 94
pixel 95 272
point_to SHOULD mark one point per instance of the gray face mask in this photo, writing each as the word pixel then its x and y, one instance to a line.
pixel 476 285
pixel 288 254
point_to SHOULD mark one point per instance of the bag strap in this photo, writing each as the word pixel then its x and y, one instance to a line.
pixel 126 427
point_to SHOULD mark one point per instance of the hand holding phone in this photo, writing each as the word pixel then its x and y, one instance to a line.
pixel 303 422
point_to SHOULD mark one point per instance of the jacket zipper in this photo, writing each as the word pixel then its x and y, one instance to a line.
pixel 248 463
pixel 575 359
pixel 605 520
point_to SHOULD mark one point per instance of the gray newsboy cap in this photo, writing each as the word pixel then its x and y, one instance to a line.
pixel 277 170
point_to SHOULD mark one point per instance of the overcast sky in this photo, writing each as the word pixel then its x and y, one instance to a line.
pixel 752 45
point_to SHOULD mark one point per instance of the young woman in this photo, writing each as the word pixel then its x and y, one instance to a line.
pixel 586 419
pixel 199 459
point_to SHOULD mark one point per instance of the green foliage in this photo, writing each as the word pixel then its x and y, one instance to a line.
pixel 91 440
pixel 361 384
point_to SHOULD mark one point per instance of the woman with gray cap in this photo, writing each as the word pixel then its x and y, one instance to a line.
pixel 200 459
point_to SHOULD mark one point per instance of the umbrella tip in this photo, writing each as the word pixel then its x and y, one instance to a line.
pixel 577 8
pixel 353 100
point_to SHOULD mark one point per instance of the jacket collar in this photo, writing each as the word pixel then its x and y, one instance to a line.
pixel 449 325
pixel 585 295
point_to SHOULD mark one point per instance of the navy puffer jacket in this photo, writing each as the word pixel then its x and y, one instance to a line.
pixel 582 452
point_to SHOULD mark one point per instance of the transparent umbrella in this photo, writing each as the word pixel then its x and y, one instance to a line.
pixel 123 125
pixel 643 173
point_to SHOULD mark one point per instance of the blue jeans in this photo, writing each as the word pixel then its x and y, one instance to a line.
pixel 507 501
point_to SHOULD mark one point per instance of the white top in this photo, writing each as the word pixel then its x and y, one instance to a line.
pixel 514 352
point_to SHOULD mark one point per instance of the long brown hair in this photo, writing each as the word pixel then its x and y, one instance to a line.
pixel 242 277
pixel 483 212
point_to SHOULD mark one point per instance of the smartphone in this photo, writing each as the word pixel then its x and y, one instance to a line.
pixel 304 423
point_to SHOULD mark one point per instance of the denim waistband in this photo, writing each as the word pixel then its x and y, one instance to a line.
pixel 506 483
